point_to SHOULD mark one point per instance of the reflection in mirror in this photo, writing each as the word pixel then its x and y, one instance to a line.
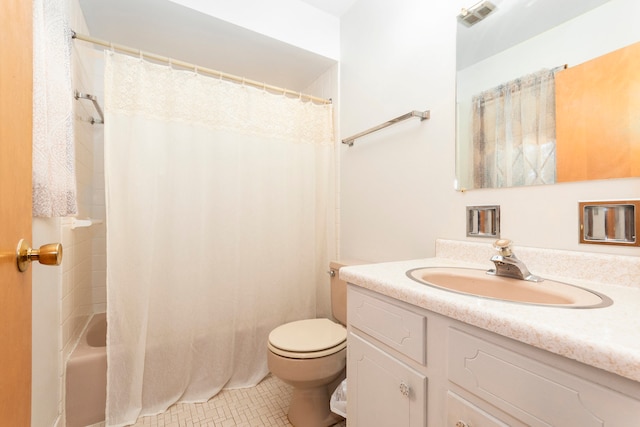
pixel 507 64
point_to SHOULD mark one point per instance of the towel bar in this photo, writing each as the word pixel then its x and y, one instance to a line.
pixel 423 115
pixel 94 100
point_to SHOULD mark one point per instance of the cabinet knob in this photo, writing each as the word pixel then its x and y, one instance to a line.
pixel 404 389
pixel 461 424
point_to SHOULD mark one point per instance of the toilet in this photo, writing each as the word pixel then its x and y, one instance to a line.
pixel 311 356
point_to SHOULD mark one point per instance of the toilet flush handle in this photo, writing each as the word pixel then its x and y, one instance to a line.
pixel 332 273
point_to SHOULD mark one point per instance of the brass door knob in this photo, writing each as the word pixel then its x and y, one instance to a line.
pixel 49 254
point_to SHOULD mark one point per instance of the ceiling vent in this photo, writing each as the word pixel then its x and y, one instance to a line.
pixel 476 13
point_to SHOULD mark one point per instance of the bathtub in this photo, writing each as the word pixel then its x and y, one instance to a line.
pixel 86 377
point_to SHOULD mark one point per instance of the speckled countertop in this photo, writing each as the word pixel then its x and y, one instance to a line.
pixel 607 338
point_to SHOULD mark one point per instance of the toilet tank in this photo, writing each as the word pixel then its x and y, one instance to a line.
pixel 339 290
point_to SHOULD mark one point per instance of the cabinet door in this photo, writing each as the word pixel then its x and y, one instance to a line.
pixel 382 391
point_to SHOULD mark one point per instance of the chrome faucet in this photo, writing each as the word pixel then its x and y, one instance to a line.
pixel 508 265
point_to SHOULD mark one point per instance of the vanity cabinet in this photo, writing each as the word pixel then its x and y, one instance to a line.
pixel 403 373
pixel 534 393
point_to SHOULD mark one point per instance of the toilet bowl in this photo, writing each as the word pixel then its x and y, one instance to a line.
pixel 311 356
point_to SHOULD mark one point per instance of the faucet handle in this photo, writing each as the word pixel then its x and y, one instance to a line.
pixel 503 246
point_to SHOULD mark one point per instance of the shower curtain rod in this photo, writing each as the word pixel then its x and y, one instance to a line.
pixel 198 69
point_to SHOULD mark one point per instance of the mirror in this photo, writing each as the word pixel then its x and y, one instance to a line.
pixel 513 43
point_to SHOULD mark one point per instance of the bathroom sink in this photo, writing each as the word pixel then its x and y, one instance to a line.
pixel 478 283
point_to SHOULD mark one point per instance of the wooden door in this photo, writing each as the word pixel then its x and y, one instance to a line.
pixel 16 94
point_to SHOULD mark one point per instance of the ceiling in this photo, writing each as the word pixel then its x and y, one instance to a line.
pixel 166 28
pixel 333 7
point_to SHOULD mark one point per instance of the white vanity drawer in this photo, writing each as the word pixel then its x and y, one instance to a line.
pixel 400 329
pixel 462 413
pixel 533 392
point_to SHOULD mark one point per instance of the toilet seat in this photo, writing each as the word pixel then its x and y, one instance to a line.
pixel 308 339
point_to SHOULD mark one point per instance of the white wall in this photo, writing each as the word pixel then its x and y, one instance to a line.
pixel 46 357
pixel 397 193
pixel 397 184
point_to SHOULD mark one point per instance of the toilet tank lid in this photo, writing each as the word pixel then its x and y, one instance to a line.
pixel 308 335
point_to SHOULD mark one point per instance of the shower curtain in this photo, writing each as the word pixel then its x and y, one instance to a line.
pixel 54 175
pixel 219 200
pixel 514 135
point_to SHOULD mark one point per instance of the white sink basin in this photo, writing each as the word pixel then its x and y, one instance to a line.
pixel 477 283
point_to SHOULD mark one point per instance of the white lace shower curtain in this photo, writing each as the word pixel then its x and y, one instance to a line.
pixel 514 133
pixel 218 219
pixel 54 179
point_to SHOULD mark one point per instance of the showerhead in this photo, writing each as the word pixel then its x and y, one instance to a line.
pixel 476 13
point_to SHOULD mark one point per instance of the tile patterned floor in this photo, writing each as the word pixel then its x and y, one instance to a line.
pixel 264 405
